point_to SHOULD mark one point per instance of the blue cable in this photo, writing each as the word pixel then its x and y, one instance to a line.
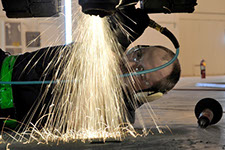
pixel 27 82
pixel 124 75
pixel 153 69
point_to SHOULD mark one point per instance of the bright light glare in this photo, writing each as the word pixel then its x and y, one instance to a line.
pixel 68 21
pixel 210 85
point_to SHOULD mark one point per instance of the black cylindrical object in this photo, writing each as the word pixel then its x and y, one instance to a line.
pixel 31 8
pixel 99 7
pixel 208 111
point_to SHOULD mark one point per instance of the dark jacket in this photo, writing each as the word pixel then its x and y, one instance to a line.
pixel 30 67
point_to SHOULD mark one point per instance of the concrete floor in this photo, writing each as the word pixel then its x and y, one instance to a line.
pixel 175 110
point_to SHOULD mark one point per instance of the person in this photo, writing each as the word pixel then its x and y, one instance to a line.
pixel 32 67
pixel 152 85
pixel 148 57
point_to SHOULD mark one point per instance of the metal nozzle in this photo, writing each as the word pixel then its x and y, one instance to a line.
pixel 100 8
pixel 203 122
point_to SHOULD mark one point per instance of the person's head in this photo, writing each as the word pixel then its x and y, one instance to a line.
pixel 148 57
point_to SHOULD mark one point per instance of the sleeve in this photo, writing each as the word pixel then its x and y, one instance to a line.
pixel 39 64
pixel 2 56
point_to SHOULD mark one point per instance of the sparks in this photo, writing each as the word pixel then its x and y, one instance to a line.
pixel 92 106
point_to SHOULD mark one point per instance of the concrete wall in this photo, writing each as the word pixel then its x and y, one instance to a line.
pixel 52 31
pixel 201 36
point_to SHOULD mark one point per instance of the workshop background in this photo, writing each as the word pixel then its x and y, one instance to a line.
pixel 201 35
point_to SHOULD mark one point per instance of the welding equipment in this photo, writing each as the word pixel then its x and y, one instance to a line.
pixel 107 7
pixel 99 7
pixel 208 111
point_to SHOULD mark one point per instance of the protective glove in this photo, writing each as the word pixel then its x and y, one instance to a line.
pixel 128 24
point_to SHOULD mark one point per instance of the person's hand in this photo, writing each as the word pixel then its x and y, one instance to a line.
pixel 128 24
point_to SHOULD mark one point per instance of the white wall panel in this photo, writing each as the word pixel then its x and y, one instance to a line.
pixel 206 41
pixel 215 6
